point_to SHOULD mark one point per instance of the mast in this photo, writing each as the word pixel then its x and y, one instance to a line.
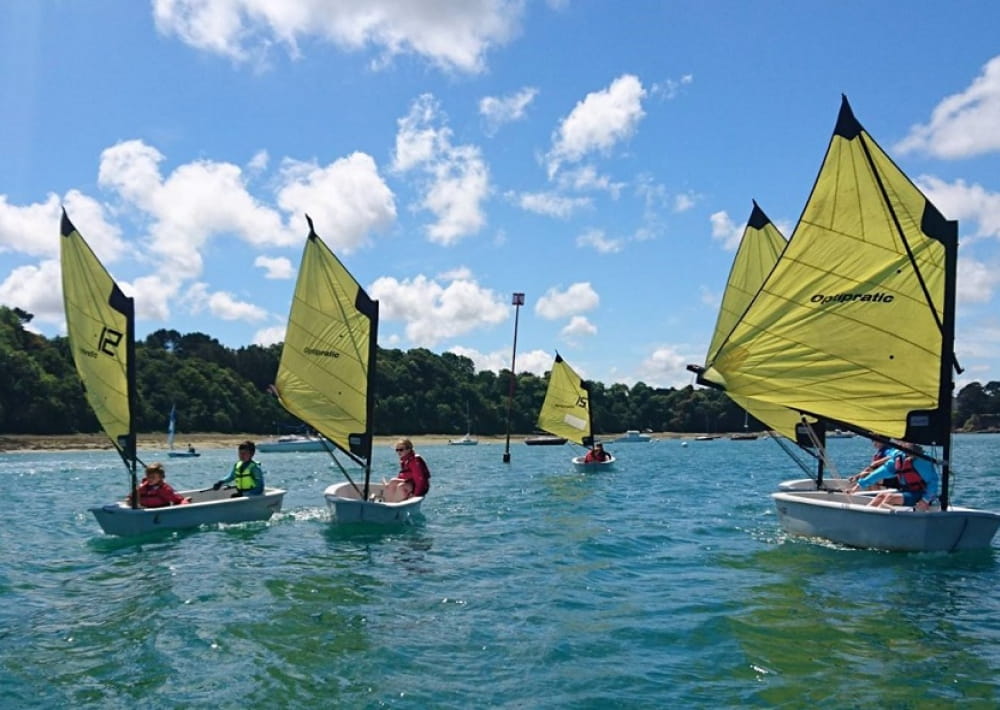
pixel 517 300
pixel 370 404
pixel 948 341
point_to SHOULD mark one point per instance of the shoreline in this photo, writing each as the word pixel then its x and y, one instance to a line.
pixel 14 443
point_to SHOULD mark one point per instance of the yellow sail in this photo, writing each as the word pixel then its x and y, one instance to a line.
pixel 99 322
pixel 759 248
pixel 324 377
pixel 566 409
pixel 854 323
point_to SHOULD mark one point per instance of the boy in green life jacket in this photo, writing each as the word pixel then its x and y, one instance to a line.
pixel 246 475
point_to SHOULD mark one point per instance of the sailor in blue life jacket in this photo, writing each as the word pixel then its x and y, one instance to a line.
pixel 247 475
pixel 882 453
pixel 916 479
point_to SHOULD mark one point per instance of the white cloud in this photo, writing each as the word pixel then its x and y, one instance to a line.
pixel 961 201
pixel 726 231
pixel 550 204
pixel 578 326
pixel 500 110
pixel 451 34
pixel 665 367
pixel 684 201
pixel 259 162
pixel 534 361
pixel 964 124
pixel 34 229
pixel 346 199
pixel 276 268
pixel 596 238
pixel 597 123
pixel 222 304
pixel 458 179
pixel 578 298
pixel 269 336
pixel 433 312
pixel 670 88
pixel 585 178
pixel 37 290
pixel 976 281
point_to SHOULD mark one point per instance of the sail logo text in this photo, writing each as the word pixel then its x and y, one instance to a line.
pixel 323 353
pixel 852 297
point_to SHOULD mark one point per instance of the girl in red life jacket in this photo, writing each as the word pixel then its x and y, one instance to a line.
pixel 596 454
pixel 413 479
pixel 154 492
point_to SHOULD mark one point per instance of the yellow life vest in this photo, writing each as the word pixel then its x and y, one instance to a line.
pixel 243 475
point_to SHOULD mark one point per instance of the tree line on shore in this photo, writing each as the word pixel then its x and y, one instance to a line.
pixel 221 389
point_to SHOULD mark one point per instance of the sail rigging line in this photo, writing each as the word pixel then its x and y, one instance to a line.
pixel 821 451
pixel 794 457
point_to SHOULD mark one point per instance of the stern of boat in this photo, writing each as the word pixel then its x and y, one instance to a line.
pixel 346 506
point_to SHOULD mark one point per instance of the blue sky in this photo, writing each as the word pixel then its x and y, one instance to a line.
pixel 600 157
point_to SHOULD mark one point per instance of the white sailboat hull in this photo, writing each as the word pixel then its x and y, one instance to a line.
pixel 593 466
pixel 293 444
pixel 346 505
pixel 466 440
pixel 848 520
pixel 207 508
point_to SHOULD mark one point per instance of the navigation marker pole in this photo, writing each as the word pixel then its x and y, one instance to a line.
pixel 517 301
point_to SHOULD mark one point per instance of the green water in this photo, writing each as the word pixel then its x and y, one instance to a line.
pixel 664 583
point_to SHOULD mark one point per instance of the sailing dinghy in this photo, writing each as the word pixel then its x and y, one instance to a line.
pixel 566 413
pixel 855 325
pixel 171 431
pixel 100 321
pixel 326 378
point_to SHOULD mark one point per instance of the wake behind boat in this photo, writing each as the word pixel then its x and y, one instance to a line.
pixel 566 413
pixel 100 322
pixel 854 325
pixel 326 378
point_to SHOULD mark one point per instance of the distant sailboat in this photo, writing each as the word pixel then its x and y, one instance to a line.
pixel 855 325
pixel 468 439
pixel 326 377
pixel 566 413
pixel 171 431
pixel 100 321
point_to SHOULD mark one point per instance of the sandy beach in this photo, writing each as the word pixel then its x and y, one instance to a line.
pixel 212 440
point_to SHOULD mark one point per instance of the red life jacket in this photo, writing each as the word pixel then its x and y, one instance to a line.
pixel 906 474
pixel 156 496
